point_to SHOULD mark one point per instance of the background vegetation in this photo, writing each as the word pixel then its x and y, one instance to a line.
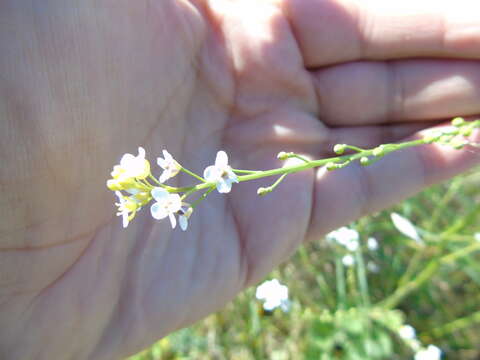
pixel 356 312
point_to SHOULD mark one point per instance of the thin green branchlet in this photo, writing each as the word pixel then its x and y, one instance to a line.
pixel 135 186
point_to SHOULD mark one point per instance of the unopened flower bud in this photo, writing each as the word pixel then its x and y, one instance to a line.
pixel 282 155
pixel 379 151
pixel 458 121
pixel 364 160
pixel 331 166
pixel 339 149
pixel 263 191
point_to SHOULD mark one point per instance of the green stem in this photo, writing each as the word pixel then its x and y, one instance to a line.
pixel 341 286
pixel 155 180
pixel 430 270
pixel 193 174
pixel 202 197
pixel 362 278
pixel 245 171
pixel 458 324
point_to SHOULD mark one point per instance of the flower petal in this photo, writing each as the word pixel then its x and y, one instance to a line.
pixel 125 219
pixel 159 193
pixel 232 176
pixel 224 186
pixel 221 159
pixel 158 212
pixel 211 173
pixel 183 221
pixel 173 221
pixel 167 155
pixel 162 162
pixel 175 203
pixel 126 159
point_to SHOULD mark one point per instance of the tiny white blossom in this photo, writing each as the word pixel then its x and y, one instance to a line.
pixel 477 236
pixel 372 244
pixel 348 260
pixel 183 215
pixel 166 205
pixel 169 165
pixel 273 294
pixel 372 267
pixel 133 166
pixel 345 237
pixel 404 225
pixel 430 353
pixel 122 210
pixel 221 173
pixel 407 332
pixel 126 207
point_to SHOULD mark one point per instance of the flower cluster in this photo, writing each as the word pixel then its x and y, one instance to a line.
pixel 135 186
pixel 273 295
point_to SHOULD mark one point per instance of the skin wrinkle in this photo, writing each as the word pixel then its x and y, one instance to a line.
pixel 135 261
pixel 244 271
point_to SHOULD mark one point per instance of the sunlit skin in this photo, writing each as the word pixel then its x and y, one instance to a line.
pixel 84 82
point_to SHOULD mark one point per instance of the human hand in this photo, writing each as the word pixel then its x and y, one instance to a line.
pixel 83 84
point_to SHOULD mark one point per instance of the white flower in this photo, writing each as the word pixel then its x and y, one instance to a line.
pixel 407 332
pixel 430 353
pixel 221 173
pixel 183 215
pixel 167 205
pixel 169 165
pixel 122 210
pixel 132 166
pixel 372 244
pixel 348 260
pixel 477 236
pixel 372 267
pixel 126 205
pixel 346 237
pixel 273 294
pixel 404 225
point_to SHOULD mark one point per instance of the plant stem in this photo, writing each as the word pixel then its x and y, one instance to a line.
pixel 192 174
pixel 405 290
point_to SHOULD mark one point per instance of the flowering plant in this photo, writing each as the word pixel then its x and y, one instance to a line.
pixel 135 186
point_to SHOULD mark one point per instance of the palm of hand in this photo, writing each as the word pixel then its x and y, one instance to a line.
pixel 117 291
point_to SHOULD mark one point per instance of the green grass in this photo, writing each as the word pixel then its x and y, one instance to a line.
pixel 351 313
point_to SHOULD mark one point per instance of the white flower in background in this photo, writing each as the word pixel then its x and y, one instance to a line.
pixel 221 173
pixel 166 205
pixel 404 225
pixel 273 294
pixel 183 215
pixel 477 236
pixel 348 260
pixel 169 165
pixel 372 267
pixel 407 332
pixel 430 353
pixel 132 166
pixel 345 237
pixel 372 244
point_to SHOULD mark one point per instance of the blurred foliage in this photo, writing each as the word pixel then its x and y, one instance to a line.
pixel 355 312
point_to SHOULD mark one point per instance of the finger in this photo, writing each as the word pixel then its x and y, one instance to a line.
pixel 362 93
pixel 333 31
pixel 344 195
